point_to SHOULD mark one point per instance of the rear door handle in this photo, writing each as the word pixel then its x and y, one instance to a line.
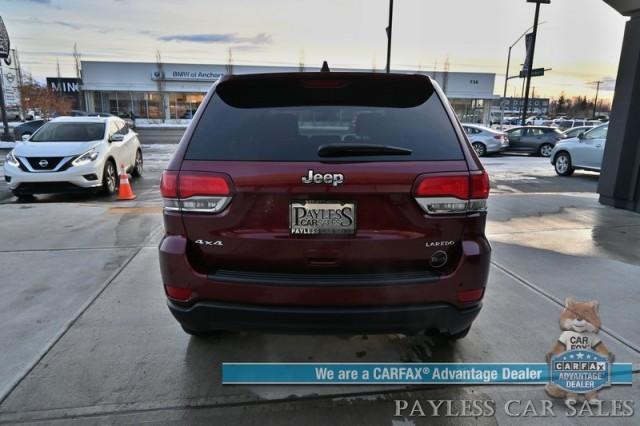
pixel 598 146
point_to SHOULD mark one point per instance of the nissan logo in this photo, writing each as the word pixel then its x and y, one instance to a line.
pixel 43 163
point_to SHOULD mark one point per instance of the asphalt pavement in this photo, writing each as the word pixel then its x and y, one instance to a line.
pixel 87 338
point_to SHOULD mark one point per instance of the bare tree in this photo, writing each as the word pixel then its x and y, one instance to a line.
pixel 301 61
pixel 37 97
pixel 160 82
pixel 77 58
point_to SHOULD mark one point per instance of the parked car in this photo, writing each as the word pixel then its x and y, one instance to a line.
pixel 71 154
pixel 584 152
pixel 125 116
pixel 485 141
pixel 574 132
pixel 317 202
pixel 564 124
pixel 26 129
pixel 534 139
pixel 537 120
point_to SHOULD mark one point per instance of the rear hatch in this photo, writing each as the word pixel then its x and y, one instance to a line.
pixel 318 173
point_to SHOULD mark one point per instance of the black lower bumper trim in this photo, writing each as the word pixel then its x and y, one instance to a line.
pixel 324 280
pixel 204 316
pixel 29 188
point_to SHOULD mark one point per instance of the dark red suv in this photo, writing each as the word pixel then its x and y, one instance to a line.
pixel 325 202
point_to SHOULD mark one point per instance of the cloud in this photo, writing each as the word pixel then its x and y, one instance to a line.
pixel 210 38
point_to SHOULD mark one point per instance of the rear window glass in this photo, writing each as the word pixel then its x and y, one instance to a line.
pixel 289 121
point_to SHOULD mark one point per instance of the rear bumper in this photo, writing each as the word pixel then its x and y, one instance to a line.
pixel 387 319
pixel 408 303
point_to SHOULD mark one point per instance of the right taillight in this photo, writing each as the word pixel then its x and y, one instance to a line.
pixel 198 192
pixel 450 194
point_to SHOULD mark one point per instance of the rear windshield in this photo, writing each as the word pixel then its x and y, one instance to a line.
pixel 69 132
pixel 289 121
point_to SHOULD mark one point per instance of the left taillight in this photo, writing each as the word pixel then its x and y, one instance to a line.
pixel 450 194
pixel 197 192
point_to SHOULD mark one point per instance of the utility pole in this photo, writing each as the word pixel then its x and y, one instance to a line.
pixel 595 102
pixel 529 61
pixel 507 78
pixel 389 29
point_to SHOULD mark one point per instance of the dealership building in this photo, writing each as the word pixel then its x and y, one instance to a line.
pixel 171 93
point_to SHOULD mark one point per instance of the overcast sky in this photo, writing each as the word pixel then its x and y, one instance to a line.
pixel 580 40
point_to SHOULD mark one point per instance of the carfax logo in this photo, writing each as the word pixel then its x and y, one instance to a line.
pixel 579 361
pixel 580 371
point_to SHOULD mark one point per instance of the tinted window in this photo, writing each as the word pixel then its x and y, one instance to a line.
pixel 514 132
pixel 69 132
pixel 264 124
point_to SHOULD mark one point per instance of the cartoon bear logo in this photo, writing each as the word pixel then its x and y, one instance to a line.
pixel 580 324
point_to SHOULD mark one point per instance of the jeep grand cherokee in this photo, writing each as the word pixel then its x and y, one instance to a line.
pixel 325 202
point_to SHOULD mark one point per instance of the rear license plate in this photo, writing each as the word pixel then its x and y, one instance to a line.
pixel 322 217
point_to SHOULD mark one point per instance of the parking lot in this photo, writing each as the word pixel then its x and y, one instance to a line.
pixel 88 338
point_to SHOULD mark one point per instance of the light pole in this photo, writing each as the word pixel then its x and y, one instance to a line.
pixel 389 29
pixel 530 53
pixel 506 74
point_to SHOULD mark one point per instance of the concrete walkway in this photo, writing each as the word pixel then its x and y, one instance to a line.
pixel 87 338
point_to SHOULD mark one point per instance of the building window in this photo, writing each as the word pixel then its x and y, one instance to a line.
pixel 184 105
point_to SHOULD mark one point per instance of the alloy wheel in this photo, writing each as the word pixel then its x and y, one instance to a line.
pixel 545 150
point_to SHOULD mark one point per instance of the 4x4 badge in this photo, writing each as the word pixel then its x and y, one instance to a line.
pixel 209 243
pixel 334 179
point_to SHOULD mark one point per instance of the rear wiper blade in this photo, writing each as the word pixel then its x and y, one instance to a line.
pixel 360 149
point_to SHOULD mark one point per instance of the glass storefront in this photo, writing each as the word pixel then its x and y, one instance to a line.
pixel 148 105
pixel 182 106
pixel 469 110
pixel 179 106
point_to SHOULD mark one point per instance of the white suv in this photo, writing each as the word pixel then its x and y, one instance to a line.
pixel 73 153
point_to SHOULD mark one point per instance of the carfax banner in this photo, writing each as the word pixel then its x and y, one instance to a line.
pixel 595 374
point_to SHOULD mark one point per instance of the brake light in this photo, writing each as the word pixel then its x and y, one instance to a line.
pixel 450 194
pixel 192 184
pixel 324 84
pixel 178 293
pixel 479 185
pixel 499 137
pixel 441 186
pixel 169 184
pixel 468 296
pixel 198 192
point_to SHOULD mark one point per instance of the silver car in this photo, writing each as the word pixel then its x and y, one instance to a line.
pixel 484 140
pixel 574 132
pixel 584 152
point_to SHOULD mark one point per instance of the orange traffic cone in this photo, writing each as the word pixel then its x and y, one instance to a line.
pixel 124 191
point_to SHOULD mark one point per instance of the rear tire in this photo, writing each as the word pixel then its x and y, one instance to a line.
pixel 545 150
pixel 479 148
pixel 562 164
pixel 109 178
